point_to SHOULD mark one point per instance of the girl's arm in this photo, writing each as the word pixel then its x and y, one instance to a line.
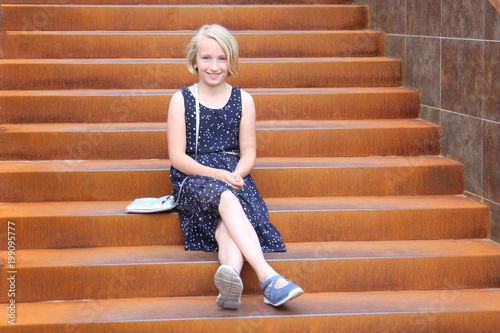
pixel 248 146
pixel 176 134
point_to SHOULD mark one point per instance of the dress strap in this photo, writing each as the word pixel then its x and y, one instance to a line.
pixel 196 100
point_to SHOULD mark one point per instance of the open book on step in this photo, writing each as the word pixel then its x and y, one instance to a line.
pixel 151 205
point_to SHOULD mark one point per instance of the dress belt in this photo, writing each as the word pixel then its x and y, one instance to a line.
pixel 222 152
pixel 229 152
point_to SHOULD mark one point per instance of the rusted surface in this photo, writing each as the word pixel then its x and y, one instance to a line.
pixel 171 44
pixel 103 106
pixel 361 266
pixel 340 312
pixel 346 138
pixel 83 180
pixel 149 140
pixel 173 2
pixel 103 223
pixel 341 176
pixel 358 176
pixel 172 73
pixel 361 231
pixel 131 18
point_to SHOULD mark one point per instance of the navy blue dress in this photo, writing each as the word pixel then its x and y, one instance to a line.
pixel 199 196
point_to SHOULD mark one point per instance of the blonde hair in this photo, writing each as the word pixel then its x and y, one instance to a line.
pixel 223 37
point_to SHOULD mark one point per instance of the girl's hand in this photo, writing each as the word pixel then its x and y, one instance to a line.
pixel 235 180
pixel 238 182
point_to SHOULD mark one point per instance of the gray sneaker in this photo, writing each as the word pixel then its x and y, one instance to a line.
pixel 230 286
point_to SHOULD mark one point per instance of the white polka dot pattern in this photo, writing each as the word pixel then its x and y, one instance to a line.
pixel 199 200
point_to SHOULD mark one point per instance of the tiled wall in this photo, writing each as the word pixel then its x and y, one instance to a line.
pixel 451 53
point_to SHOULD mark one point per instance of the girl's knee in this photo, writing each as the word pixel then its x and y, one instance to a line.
pixel 227 196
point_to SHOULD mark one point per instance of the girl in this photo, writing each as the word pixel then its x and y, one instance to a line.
pixel 219 205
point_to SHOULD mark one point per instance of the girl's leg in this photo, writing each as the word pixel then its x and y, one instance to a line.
pixel 229 252
pixel 227 277
pixel 234 225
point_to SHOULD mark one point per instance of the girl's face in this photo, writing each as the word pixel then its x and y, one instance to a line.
pixel 211 62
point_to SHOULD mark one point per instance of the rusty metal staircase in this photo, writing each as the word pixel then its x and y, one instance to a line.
pixel 379 234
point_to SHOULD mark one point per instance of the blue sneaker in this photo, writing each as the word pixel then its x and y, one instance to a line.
pixel 279 296
pixel 230 286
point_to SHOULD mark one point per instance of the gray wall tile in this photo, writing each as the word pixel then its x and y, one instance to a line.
pixel 395 46
pixel 462 76
pixel 462 140
pixel 423 17
pixel 423 68
pixel 469 112
pixel 388 16
pixel 430 114
pixel 463 18
pixel 491 161
pixel 494 216
pixel 491 22
pixel 491 92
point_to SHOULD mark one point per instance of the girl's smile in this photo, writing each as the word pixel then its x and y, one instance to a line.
pixel 211 62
